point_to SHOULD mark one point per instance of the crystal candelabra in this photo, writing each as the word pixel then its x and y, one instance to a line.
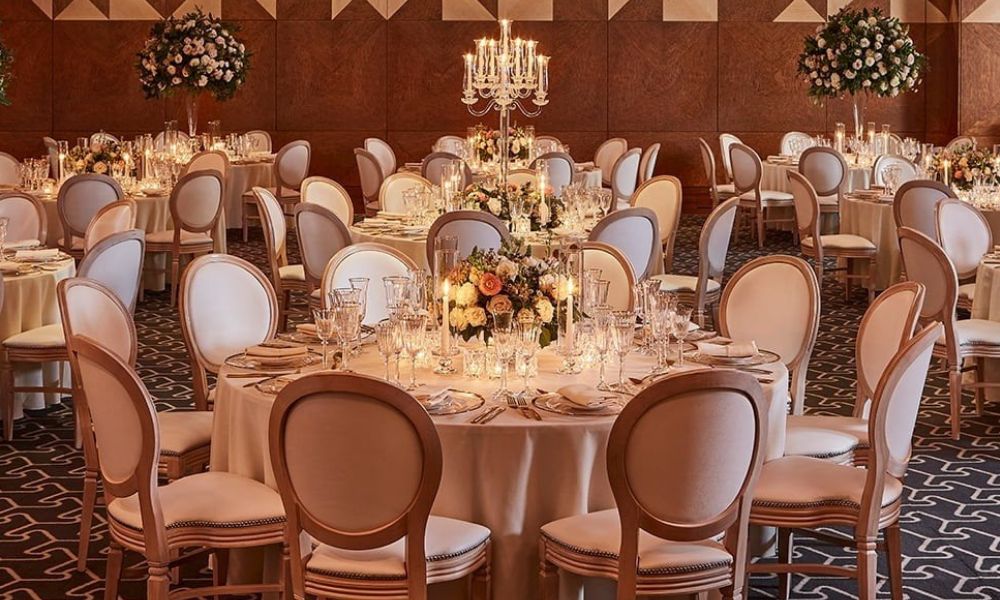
pixel 505 73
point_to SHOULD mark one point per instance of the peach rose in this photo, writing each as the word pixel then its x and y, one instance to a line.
pixel 490 284
pixel 499 303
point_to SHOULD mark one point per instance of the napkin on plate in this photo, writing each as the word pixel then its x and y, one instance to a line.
pixel 10 268
pixel 283 352
pixel 584 396
pixel 585 165
pixel 731 350
pixel 22 245
pixel 45 254
pixel 306 328
pixel 433 397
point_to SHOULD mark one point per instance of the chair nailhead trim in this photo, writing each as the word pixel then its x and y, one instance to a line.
pixel 648 571
pixel 377 577
pixel 214 525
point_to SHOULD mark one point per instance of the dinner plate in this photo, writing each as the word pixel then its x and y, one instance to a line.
pixel 763 357
pixel 456 402
pixel 560 405
pixel 243 361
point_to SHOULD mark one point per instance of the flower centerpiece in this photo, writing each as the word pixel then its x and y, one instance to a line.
pixel 6 72
pixel 99 157
pixel 486 144
pixel 861 53
pixel 963 166
pixel 498 200
pixel 196 53
pixel 490 281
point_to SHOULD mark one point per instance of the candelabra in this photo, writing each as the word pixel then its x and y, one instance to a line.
pixel 504 73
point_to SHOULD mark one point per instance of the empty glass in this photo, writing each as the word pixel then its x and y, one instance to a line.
pixel 622 330
pixel 681 321
pixel 390 344
pixel 528 331
pixel 397 288
pixel 324 320
pixel 601 319
pixel 347 325
pixel 504 341
pixel 413 338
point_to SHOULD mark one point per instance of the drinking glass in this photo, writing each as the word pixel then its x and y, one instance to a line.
pixel 413 339
pixel 360 284
pixel 682 318
pixel 622 330
pixel 4 222
pixel 324 320
pixel 504 340
pixel 396 290
pixel 347 325
pixel 528 330
pixel 601 320
pixel 389 341
pixel 417 290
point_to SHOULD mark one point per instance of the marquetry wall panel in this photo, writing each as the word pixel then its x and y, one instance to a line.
pixel 336 71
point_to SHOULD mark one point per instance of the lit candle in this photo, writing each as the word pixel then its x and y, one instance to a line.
pixel 543 74
pixel 530 60
pixel 946 171
pixel 504 30
pixel 445 325
pixel 468 72
pixel 62 158
pixel 570 338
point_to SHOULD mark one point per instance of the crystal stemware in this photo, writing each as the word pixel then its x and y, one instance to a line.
pixel 389 341
pixel 681 322
pixel 413 340
pixel 528 331
pixel 601 319
pixel 503 339
pixel 347 325
pixel 324 320
pixel 622 329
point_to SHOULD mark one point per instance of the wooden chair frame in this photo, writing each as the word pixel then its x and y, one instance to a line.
pixel 69 230
pixel 668 231
pixel 277 257
pixel 463 215
pixel 757 203
pixel 39 210
pixel 970 275
pixel 313 281
pixel 249 201
pixel 627 213
pixel 308 181
pixel 88 244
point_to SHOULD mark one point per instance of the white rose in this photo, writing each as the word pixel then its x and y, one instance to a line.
pixel 849 74
pixel 202 81
pixel 865 42
pixel 869 61
pixel 821 43
pixel 195 62
pixel 171 70
pixel 466 294
pixel 909 59
pixel 495 206
pixel 545 310
pixel 858 64
pixel 228 76
pixel 894 82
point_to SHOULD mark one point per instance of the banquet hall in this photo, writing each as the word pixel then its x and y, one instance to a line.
pixel 499 299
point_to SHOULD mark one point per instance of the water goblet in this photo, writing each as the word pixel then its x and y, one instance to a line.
pixel 413 338
pixel 622 330
pixel 681 321
pixel 324 320
pixel 396 290
pixel 387 337
pixel 601 319
pixel 528 331
pixel 503 339
pixel 347 325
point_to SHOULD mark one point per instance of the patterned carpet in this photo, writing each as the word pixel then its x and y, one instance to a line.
pixel 950 516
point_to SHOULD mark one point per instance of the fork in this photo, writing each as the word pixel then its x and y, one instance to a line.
pixel 521 404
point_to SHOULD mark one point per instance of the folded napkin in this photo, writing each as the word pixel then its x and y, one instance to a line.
pixel 45 254
pixel 306 328
pixel 731 350
pixel 277 352
pixel 583 395
pixel 433 397
pixel 10 268
pixel 22 245
pixel 585 165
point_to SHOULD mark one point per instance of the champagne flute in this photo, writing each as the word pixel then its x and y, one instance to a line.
pixel 360 284
pixel 528 331
pixel 323 318
pixel 413 338
pixel 622 337
pixel 387 336
pixel 503 338
pixel 348 327
pixel 682 319
pixel 602 341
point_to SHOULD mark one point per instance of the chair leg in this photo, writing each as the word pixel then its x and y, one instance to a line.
pixel 871 280
pixel 867 570
pixel 784 557
pixel 246 223
pixel 7 398
pixel 175 271
pixel 980 392
pixel 86 516
pixel 220 570
pixel 158 583
pixel 548 576
pixel 114 572
pixel 481 578
pixel 760 230
pixel 894 550
pixel 955 387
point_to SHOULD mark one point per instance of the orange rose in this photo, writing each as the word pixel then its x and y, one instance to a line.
pixel 490 284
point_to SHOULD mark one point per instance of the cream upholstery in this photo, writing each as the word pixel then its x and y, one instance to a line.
pixel 633 231
pixel 113 218
pixel 9 166
pixel 330 195
pixel 449 143
pixel 390 196
pixel 625 176
pixel 473 228
pixel 964 234
pixel 46 336
pixel 967 291
pixel 260 140
pixel 370 260
pixel 826 170
pixel 915 205
pixel 561 169
pixel 841 241
pixel 726 141
pixel 975 331
pixel 80 198
pixel 791 137
pixel 212 499
pixel 292 273
pixel 184 430
pixel 383 153
pixel 116 262
pixel 614 268
pixel 813 435
pixel 209 160
pixel 803 482
pixel 907 170
pixel 673 283
pixel 187 237
pixel 768 196
pixel 598 535
pixel 607 155
pixel 446 540
pixel 25 217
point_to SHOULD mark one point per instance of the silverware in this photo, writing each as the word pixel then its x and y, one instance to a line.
pixel 253 383
pixel 482 414
pixel 492 415
pixel 256 375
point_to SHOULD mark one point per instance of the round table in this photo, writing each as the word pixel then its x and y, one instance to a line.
pixel 774 176
pixel 30 302
pixel 873 220
pixel 242 177
pixel 588 176
pixel 512 475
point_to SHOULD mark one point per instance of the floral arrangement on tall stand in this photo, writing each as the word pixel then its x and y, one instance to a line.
pixel 516 201
pixel 965 166
pixel 103 158
pixel 196 54
pixel 489 281
pixel 6 72
pixel 486 144
pixel 861 53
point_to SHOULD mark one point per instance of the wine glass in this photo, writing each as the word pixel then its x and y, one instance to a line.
pixel 622 329
pixel 681 321
pixel 413 338
pixel 601 320
pixel 387 337
pixel 360 284
pixel 503 339
pixel 324 320
pixel 396 290
pixel 528 330
pixel 347 325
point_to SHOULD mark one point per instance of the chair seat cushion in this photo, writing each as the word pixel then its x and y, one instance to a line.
pixel 769 196
pixel 841 241
pixel 292 273
pixel 212 499
pixel 817 442
pixel 598 535
pixel 187 237
pixel 446 540
pixel 725 188
pixel 801 482
pixel 833 200
pixel 967 291
pixel 802 426
pixel 46 336
pixel 184 430
pixel 683 283
pixel 969 332
pixel 286 194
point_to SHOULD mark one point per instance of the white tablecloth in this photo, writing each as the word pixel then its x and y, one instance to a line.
pixel 774 177
pixel 873 220
pixel 587 176
pixel 512 475
pixel 986 305
pixel 240 179
pixel 30 302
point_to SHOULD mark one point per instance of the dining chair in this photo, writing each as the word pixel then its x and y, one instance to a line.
pixel 208 160
pixel 260 140
pixel 827 171
pixel 664 196
pixel 116 262
pixel 369 260
pixel 195 208
pixel 433 164
pixel 885 327
pixel 321 235
pixel 624 178
pixel 561 170
pixel 790 139
pixel 371 532
pixel 226 306
pixel 113 218
pixel 79 199
pixel 607 155
pixel 167 525
pixel 371 180
pixel 960 142
pixel 473 228
pixel 383 153
pixel 844 247
pixel 90 309
pixel 291 167
pixel 801 493
pixel 330 195
pixel 915 205
pixel 614 267
pixel 451 144
pixel 52 150
pixel 285 278
pixel 775 302
pixel 966 237
pixel 977 339
pixel 635 232
pixel 748 171
pixel 27 221
pixel 103 138
pixel 681 523
pixel 705 289
pixel 546 144
pixel 717 191
pixel 521 177
pixel 726 141
pixel 908 171
pixel 10 170
pixel 390 197
pixel 647 165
